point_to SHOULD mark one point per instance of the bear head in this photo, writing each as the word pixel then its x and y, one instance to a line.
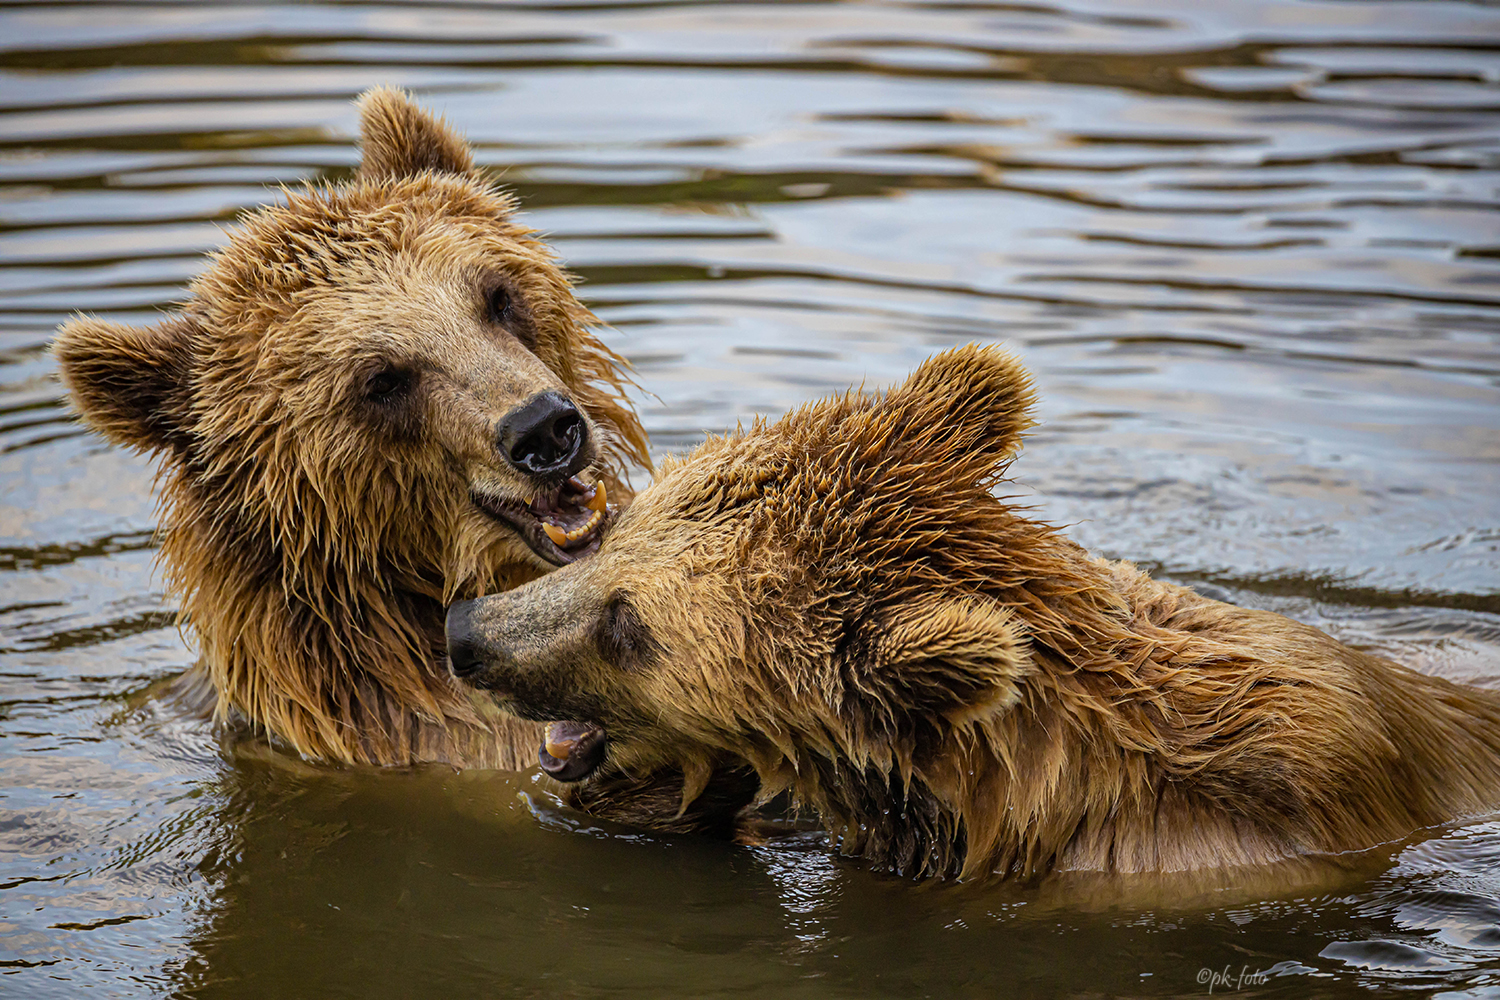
pixel 381 394
pixel 817 593
pixel 391 373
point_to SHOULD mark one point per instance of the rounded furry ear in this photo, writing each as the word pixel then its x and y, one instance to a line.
pixel 399 139
pixel 960 658
pixel 967 407
pixel 130 383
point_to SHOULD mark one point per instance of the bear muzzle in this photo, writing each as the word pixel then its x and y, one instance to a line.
pixel 560 524
pixel 468 653
pixel 549 442
pixel 573 750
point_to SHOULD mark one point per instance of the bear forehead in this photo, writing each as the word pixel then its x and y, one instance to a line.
pixel 828 454
pixel 324 237
pixel 834 487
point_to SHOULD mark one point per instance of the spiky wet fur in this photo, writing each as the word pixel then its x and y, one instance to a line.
pixel 311 554
pixel 846 601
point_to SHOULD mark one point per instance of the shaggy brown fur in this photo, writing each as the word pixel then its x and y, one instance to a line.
pixel 325 408
pixel 841 601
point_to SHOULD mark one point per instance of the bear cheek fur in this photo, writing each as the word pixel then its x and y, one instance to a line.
pixel 921 675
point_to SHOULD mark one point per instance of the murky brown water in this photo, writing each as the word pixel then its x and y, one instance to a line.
pixel 1251 249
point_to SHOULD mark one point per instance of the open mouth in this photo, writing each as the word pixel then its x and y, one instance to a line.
pixel 559 524
pixel 573 751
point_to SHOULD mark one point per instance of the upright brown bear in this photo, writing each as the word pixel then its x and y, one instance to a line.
pixel 381 395
pixel 841 601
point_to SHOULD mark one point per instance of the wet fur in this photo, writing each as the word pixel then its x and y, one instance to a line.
pixel 846 601
pixel 312 544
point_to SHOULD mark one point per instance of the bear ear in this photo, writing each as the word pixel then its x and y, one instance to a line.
pixel 964 410
pixel 399 139
pixel 961 658
pixel 129 382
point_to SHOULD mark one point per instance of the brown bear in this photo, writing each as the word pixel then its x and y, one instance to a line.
pixel 847 602
pixel 382 394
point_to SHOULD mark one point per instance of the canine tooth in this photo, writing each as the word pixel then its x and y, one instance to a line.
pixel 559 537
pixel 559 744
pixel 600 497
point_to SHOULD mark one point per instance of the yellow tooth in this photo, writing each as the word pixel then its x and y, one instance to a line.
pixel 589 525
pixel 600 497
pixel 529 499
pixel 559 537
pixel 559 746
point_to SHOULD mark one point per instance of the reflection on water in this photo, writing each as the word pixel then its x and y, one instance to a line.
pixel 1251 251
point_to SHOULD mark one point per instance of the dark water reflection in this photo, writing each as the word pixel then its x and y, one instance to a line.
pixel 1251 250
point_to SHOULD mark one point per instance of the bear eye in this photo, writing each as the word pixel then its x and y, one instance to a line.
pixel 506 311
pixel 624 639
pixel 502 308
pixel 387 385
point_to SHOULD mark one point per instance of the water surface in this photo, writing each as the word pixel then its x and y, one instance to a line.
pixel 1251 250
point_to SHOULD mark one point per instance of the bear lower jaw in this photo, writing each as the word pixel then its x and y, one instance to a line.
pixel 560 525
pixel 573 750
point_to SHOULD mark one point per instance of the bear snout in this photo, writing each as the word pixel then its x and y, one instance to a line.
pixel 465 647
pixel 545 436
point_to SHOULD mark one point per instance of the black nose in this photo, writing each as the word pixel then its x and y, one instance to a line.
pixel 463 654
pixel 545 435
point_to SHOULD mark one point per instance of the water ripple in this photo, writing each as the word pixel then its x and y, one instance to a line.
pixel 1251 251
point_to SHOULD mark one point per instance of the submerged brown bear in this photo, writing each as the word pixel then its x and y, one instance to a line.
pixel 841 601
pixel 382 394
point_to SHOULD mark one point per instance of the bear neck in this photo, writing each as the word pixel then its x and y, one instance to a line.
pixel 1229 736
pixel 342 663
pixel 1163 731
